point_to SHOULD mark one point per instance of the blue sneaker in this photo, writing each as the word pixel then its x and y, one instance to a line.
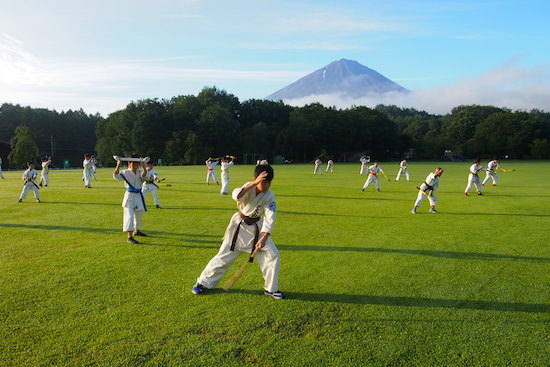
pixel 198 288
pixel 276 295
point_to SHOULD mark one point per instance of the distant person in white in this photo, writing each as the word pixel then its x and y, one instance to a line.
pixel 364 167
pixel 87 171
pixel 28 183
pixel 133 203
pixel 226 162
pixel 427 190
pixel 149 185
pixel 45 173
pixel 210 164
pixel 473 177
pixel 373 172
pixel 403 170
pixel 491 172
pixel 1 174
pixel 94 167
pixel 330 166
pixel 317 168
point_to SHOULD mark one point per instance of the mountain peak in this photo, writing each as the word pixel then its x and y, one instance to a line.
pixel 348 78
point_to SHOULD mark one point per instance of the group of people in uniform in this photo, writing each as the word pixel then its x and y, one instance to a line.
pixel 430 184
pixel 249 228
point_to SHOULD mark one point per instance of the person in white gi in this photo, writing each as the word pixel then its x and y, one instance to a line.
pixel 317 168
pixel 226 162
pixel 149 186
pixel 248 232
pixel 330 166
pixel 210 164
pixel 403 170
pixel 87 171
pixel 133 202
pixel 427 190
pixel 364 167
pixel 94 167
pixel 1 174
pixel 373 172
pixel 473 177
pixel 45 174
pixel 264 161
pixel 28 178
pixel 491 172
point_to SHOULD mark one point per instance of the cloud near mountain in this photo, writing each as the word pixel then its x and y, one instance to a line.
pixel 510 86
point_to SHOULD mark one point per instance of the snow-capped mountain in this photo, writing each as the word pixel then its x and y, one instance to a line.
pixel 346 78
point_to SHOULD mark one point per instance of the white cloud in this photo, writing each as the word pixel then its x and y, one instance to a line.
pixel 510 86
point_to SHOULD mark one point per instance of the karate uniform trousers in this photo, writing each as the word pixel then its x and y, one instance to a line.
pixel 473 180
pixel 225 182
pixel 150 188
pixel 363 169
pixel 267 258
pixel 492 175
pixel 44 176
pixel 211 173
pixel 431 198
pixel 87 174
pixel 402 172
pixel 372 178
pixel 316 169
pixel 27 186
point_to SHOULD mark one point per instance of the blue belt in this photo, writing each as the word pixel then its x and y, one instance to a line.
pixel 133 190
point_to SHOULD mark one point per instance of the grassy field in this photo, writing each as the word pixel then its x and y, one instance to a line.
pixel 368 283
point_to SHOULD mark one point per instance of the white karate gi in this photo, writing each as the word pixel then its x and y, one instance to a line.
pixel 94 167
pixel 317 168
pixel 253 206
pixel 133 202
pixel 1 174
pixel 403 171
pixel 225 177
pixel 330 165
pixel 149 186
pixel 44 175
pixel 491 172
pixel 87 172
pixel 28 184
pixel 364 162
pixel 373 171
pixel 210 172
pixel 431 181
pixel 473 178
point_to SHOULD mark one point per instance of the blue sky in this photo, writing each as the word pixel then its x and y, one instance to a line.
pixel 100 55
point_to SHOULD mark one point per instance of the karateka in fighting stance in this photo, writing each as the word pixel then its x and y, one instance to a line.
pixel 317 168
pixel 473 177
pixel 150 184
pixel 210 164
pixel 246 232
pixel 29 177
pixel 492 167
pixel 45 173
pixel 133 203
pixel 373 170
pixel 365 160
pixel 226 162
pixel 427 189
pixel 403 170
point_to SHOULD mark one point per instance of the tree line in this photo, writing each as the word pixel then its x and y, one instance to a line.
pixel 188 129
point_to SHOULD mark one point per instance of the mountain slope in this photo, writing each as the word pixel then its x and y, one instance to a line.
pixel 347 78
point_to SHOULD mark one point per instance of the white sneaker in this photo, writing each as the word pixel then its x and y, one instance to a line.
pixel 413 211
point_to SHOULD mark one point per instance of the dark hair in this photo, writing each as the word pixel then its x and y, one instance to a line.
pixel 135 156
pixel 29 163
pixel 264 168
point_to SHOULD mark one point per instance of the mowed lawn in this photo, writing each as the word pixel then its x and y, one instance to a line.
pixel 368 283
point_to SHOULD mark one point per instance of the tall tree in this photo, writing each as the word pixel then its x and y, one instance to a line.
pixel 24 148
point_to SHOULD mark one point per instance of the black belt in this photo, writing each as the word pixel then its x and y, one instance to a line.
pixel 249 221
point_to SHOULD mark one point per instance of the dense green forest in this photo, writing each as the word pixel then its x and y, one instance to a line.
pixel 188 129
pixel 65 136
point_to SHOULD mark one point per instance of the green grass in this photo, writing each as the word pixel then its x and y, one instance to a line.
pixel 368 282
